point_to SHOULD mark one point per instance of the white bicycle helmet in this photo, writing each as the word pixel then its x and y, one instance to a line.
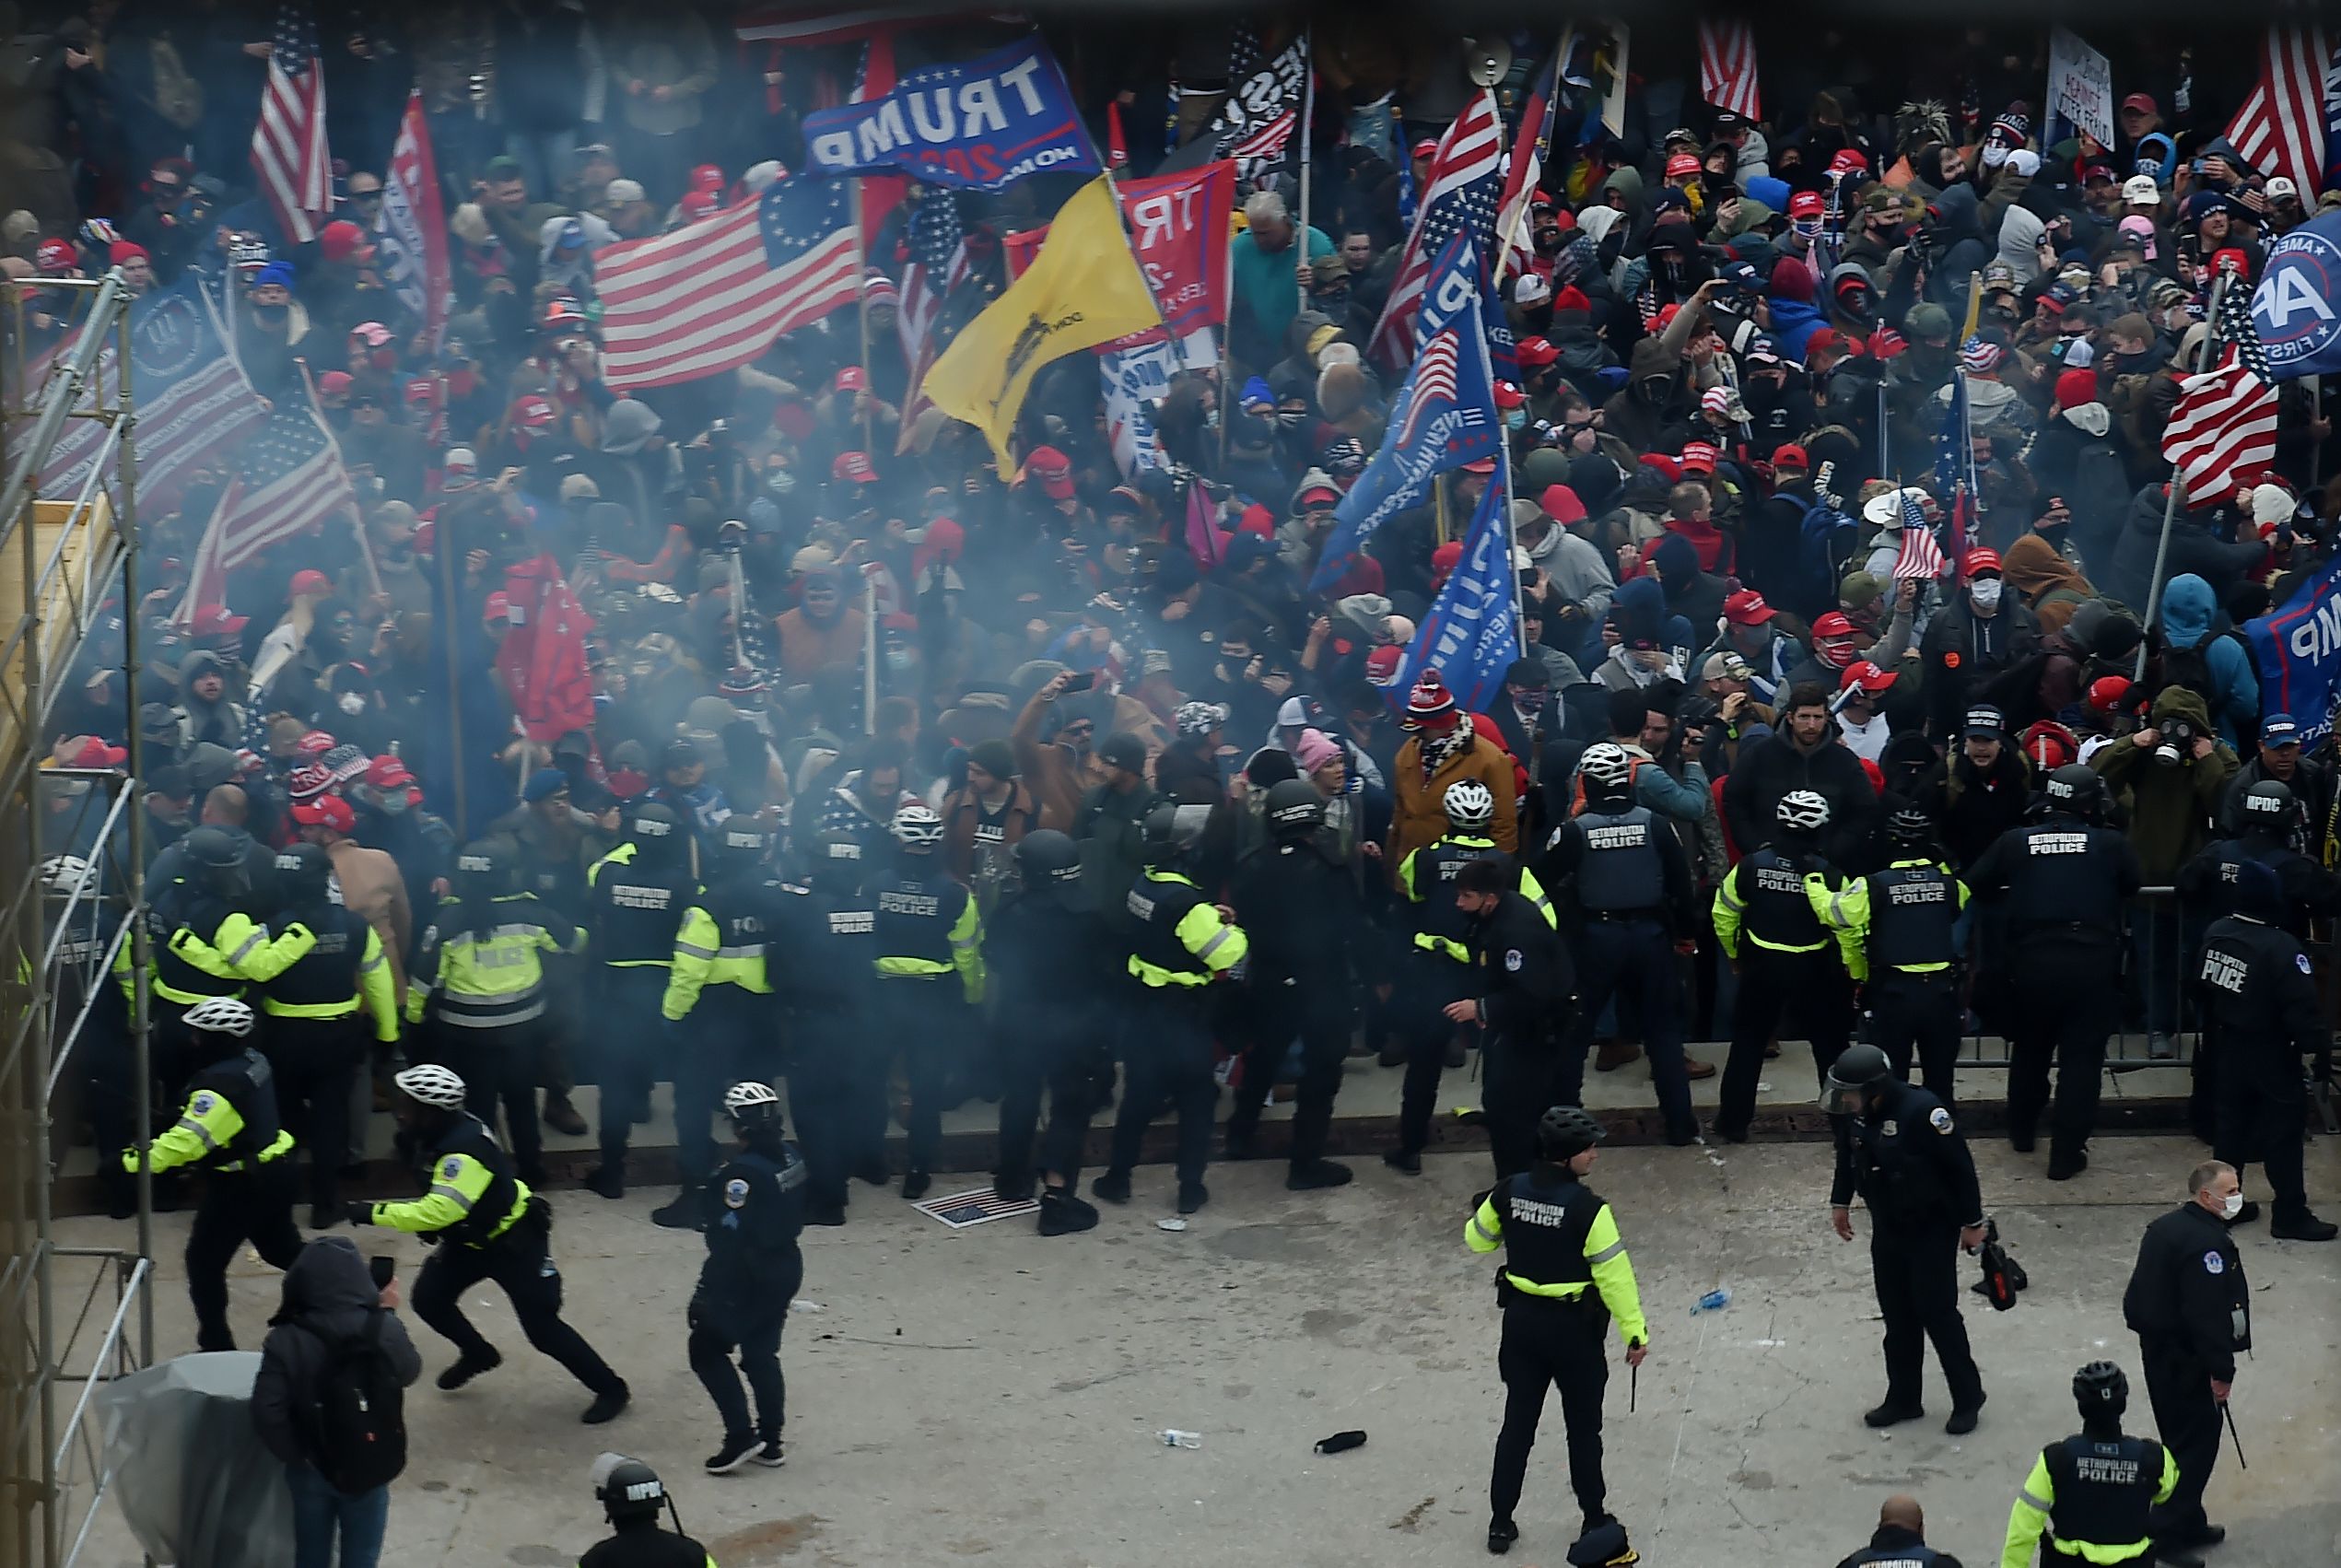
pixel 1469 803
pixel 67 875
pixel 220 1015
pixel 915 827
pixel 744 1096
pixel 1802 811
pixel 1606 765
pixel 432 1084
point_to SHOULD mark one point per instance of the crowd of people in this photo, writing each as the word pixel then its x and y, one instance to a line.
pixel 914 778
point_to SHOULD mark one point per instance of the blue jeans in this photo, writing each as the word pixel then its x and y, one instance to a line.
pixel 318 1512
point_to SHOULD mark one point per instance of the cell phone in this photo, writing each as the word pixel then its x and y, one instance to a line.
pixel 1082 682
pixel 384 1268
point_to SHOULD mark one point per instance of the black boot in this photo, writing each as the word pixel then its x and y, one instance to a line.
pixel 1063 1214
pixel 682 1214
pixel 608 1179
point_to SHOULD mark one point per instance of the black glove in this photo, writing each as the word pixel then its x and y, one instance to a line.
pixel 357 1212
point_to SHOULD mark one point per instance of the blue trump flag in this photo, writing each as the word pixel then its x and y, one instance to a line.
pixel 1472 632
pixel 980 124
pixel 2297 648
pixel 2294 308
pixel 1442 417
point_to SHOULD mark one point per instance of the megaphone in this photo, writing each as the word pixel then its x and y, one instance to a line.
pixel 1486 62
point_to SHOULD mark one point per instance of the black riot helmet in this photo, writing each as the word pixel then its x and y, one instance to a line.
pixel 1172 830
pixel 304 871
pixel 1567 1131
pixel 1294 810
pixel 628 1489
pixel 834 864
pixel 1857 1071
pixel 1049 861
pixel 1910 828
pixel 2102 1391
pixel 2075 789
pixel 220 856
pixel 742 843
pixel 655 831
pixel 2268 808
pixel 2257 894
pixel 483 869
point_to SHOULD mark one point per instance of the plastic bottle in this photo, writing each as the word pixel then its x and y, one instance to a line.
pixel 1714 1301
pixel 1173 1438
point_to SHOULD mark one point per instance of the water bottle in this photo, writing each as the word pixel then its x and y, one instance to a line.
pixel 1173 1438
pixel 1714 1301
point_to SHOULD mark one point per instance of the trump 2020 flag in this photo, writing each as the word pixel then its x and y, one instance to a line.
pixel 2297 647
pixel 980 124
pixel 1472 634
pixel 1442 417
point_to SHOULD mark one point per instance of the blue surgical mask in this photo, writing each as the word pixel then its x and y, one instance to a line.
pixel 1516 419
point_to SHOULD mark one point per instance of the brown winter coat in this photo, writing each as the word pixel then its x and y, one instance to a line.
pixel 1418 815
pixel 962 811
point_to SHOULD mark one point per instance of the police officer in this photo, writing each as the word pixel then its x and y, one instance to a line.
pixel 1051 970
pixel 2191 1309
pixel 1906 918
pixel 1898 1147
pixel 2260 999
pixel 1769 916
pixel 1524 984
pixel 826 948
pixel 631 1494
pixel 1181 944
pixel 635 898
pixel 1901 1540
pixel 1296 898
pixel 478 985
pixel 718 1012
pixel 488 1225
pixel 752 1212
pixel 199 926
pixel 1622 879
pixel 229 1130
pixel 2064 880
pixel 2093 1493
pixel 1565 1275
pixel 321 981
pixel 1438 972
pixel 929 931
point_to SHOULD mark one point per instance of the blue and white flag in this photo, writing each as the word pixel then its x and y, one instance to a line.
pixel 2297 307
pixel 2297 648
pixel 1472 632
pixel 980 124
pixel 1443 416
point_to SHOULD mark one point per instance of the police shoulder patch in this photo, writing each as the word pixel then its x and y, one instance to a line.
pixel 1512 959
pixel 2213 1263
pixel 2301 961
pixel 1886 1129
pixel 1940 1119
pixel 735 1193
pixel 201 1104
pixel 451 1167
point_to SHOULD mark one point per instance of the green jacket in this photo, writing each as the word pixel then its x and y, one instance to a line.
pixel 2171 810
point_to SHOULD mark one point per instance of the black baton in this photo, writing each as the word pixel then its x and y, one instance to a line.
pixel 2228 1411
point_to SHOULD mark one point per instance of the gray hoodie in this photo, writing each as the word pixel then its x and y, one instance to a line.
pixel 329 1293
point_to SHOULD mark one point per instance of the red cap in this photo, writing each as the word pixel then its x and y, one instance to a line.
pixel 1664 464
pixel 55 255
pixel 1426 148
pixel 1848 159
pixel 2075 388
pixel 1258 519
pixel 388 773
pixel 708 177
pixel 93 752
pixel 316 742
pixel 853 378
pixel 373 335
pixel 1807 204
pixel 1979 560
pixel 213 620
pixel 1746 608
pixel 1791 456
pixel 310 581
pixel 1536 353
pixel 1484 465
pixel 1383 662
pixel 698 204
pixel 123 251
pixel 1698 457
pixel 1571 299
pixel 423 392
pixel 1317 497
pixel 535 412
pixel 1834 625
pixel 1561 503
pixel 1666 316
pixel 1867 676
pixel 333 383
pixel 1053 469
pixel 2106 692
pixel 2142 101
pixel 1828 340
pixel 1443 559
pixel 326 810
pixel 854 466
pixel 1681 165
pixel 2221 259
pixel 1509 396
pixel 342 241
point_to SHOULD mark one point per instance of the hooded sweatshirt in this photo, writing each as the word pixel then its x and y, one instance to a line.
pixel 329 1296
pixel 220 723
pixel 2188 611
pixel 2171 808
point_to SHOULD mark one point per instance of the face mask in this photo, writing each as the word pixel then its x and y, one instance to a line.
pixel 1807 229
pixel 900 659
pixel 1291 417
pixel 1986 594
pixel 272 314
pixel 780 481
pixel 394 803
pixel 350 702
pixel 1516 419
pixel 2231 1205
pixel 1994 154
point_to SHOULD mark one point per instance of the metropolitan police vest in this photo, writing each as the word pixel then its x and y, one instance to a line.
pixel 1895 1557
pixel 1437 866
pixel 1621 870
pixel 915 917
pixel 1911 909
pixel 247 1084
pixel 1780 913
pixel 636 909
pixel 2069 873
pixel 2102 1490
pixel 492 1215
pixel 328 971
pixel 1546 1219
pixel 1158 901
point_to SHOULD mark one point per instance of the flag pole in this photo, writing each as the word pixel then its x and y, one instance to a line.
pixel 861 311
pixel 2170 498
pixel 1308 121
pixel 357 516
pixel 443 546
pixel 1520 602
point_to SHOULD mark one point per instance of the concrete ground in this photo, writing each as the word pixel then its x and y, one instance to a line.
pixel 988 1395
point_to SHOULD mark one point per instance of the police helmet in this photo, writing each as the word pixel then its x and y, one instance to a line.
pixel 654 830
pixel 917 828
pixel 1469 804
pixel 2075 789
pixel 627 1489
pixel 1048 857
pixel 67 875
pixel 482 867
pixel 1171 830
pixel 1294 809
pixel 304 871
pixel 2268 805
pixel 1910 828
pixel 1802 811
pixel 2257 894
pixel 1603 1546
pixel 220 857
pixel 833 864
pixel 223 1015
pixel 745 841
pixel 2102 1389
pixel 431 1085
pixel 752 1107
pixel 1857 1069
pixel 1567 1131
pixel 1606 768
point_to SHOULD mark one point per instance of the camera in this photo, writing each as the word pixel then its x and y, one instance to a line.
pixel 1699 711
pixel 2177 743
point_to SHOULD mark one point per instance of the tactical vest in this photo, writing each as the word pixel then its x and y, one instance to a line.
pixel 327 973
pixel 492 1215
pixel 1780 913
pixel 1895 1557
pixel 246 1082
pixel 1437 866
pixel 636 909
pixel 1545 1225
pixel 1912 910
pixel 2102 1490
pixel 1621 870
pixel 2065 874
pixel 915 917
pixel 174 979
pixel 1158 901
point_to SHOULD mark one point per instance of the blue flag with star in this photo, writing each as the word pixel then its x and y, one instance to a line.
pixel 1472 633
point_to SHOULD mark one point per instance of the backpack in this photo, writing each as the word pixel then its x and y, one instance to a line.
pixel 357 1420
pixel 2187 667
pixel 1826 539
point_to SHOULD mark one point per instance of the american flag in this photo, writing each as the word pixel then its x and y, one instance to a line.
pixel 1522 174
pixel 2224 424
pixel 1920 559
pixel 1728 66
pixel 289 480
pixel 938 242
pixel 2280 128
pixel 1461 190
pixel 1434 382
pixel 710 297
pixel 1264 145
pixel 288 144
pixel 1955 467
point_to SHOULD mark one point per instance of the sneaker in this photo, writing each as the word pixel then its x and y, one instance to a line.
pixel 1012 1189
pixel 606 1406
pixel 737 1449
pixel 1315 1174
pixel 467 1367
pixel 1192 1195
pixel 824 1214
pixel 770 1455
pixel 1890 1414
pixel 607 1180
pixel 1063 1214
pixel 2245 1215
pixel 682 1214
pixel 1403 1160
pixel 2303 1226
pixel 2161 1047
pixel 915 1185
pixel 562 1118
pixel 1113 1186
pixel 1694 1069
pixel 1501 1533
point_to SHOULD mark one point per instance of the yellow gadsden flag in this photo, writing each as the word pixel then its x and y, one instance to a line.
pixel 1083 288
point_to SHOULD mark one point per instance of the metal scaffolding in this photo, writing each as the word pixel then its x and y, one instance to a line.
pixel 70 1318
